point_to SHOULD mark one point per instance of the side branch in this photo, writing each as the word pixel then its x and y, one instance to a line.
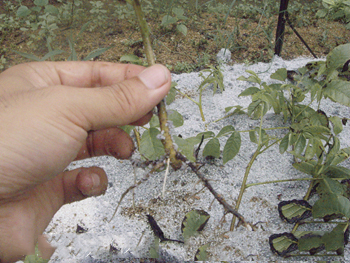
pixel 218 197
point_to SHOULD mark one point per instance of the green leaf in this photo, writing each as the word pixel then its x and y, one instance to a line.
pixel 36 258
pixel 179 12
pixel 52 53
pixel 127 128
pixel 311 242
pixel 338 56
pixel 150 146
pixel 316 131
pixel 284 143
pixel 341 156
pixel 283 244
pixel 334 171
pixel 225 131
pixel 280 74
pixel 330 205
pixel 176 118
pixel 154 249
pixel 186 146
pixel 337 124
pixel 319 119
pixel 182 29
pixel 154 122
pixel 73 54
pixel 212 148
pixel 23 11
pixel 194 222
pixel 334 240
pixel 168 20
pixel 232 147
pixel 249 91
pixel 305 167
pixel 131 58
pixel 51 10
pixel 41 2
pixel 202 254
pixel 294 210
pixel 207 134
pixel 29 56
pixel 252 78
pixel 330 186
pixel 170 97
pixel 252 137
pixel 300 145
pixel 338 91
pixel 96 53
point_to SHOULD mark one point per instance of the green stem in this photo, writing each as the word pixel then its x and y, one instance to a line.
pixel 282 181
pixel 306 197
pixel 200 105
pixel 243 187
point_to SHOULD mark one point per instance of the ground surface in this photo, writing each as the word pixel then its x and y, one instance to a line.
pixel 129 233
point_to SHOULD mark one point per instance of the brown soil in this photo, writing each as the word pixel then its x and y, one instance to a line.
pixel 251 40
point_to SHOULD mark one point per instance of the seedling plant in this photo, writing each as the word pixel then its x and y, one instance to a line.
pixel 311 137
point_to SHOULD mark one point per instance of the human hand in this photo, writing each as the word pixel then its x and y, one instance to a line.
pixel 52 113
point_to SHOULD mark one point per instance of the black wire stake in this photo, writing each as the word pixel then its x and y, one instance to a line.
pixel 298 35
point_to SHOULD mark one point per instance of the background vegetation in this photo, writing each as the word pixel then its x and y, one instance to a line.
pixel 186 35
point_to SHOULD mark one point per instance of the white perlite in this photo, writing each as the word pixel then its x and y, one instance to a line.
pixel 259 203
pixel 224 56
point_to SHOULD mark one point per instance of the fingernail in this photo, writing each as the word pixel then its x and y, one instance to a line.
pixel 154 77
pixel 95 181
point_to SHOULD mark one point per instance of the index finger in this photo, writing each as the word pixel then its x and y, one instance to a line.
pixel 72 73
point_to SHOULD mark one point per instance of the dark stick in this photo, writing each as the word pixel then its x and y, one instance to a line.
pixel 280 27
pixel 298 35
pixel 218 197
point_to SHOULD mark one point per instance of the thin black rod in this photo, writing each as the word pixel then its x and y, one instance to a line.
pixel 280 27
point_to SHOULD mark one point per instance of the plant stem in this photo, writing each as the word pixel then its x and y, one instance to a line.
pixel 162 114
pixel 243 187
pixel 282 181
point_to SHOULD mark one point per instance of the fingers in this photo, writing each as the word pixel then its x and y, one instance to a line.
pixel 68 73
pixel 114 142
pixel 116 105
pixel 44 247
pixel 81 183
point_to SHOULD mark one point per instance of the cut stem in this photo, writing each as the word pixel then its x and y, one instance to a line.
pixel 162 114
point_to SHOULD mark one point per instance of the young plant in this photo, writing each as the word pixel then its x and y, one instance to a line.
pixel 172 20
pixel 313 138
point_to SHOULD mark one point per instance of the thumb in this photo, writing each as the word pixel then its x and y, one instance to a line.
pixel 121 103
